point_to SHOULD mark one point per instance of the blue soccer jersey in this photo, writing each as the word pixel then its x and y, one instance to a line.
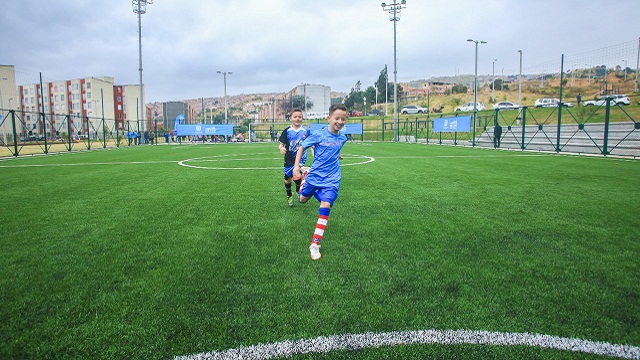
pixel 292 139
pixel 325 170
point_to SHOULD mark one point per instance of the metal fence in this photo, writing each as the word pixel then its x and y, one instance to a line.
pixel 608 129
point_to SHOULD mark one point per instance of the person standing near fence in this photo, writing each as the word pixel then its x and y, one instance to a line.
pixel 290 141
pixel 323 179
pixel 497 135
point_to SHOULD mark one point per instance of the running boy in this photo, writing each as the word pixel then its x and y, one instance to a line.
pixel 323 179
pixel 290 141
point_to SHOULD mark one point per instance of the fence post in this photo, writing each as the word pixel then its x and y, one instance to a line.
pixel 495 125
pixel 383 129
pixel 560 105
pixel 524 123
pixel 605 145
pixel 68 132
pixel 15 135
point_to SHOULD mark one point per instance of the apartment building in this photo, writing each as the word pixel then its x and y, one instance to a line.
pixel 83 106
pixel 320 95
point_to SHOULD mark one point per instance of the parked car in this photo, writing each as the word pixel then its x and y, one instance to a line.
pixel 413 109
pixel 620 99
pixel 505 105
pixel 469 107
pixel 602 100
pixel 32 138
pixel 355 113
pixel 312 116
pixel 599 102
pixel 376 112
pixel 550 102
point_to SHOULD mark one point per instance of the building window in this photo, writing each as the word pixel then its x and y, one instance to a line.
pixel 119 98
pixel 119 107
pixel 88 85
pixel 89 95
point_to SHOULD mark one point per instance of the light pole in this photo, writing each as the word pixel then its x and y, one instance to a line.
pixel 520 81
pixel 364 103
pixel 635 87
pixel 140 7
pixel 386 92
pixel 625 69
pixel 475 88
pixel 493 80
pixel 394 15
pixel 224 75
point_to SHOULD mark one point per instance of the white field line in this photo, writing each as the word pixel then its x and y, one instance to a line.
pixel 325 344
pixel 89 164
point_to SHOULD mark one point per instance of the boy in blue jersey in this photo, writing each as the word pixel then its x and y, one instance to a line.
pixel 290 141
pixel 323 179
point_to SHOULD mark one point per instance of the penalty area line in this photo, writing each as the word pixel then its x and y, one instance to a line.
pixel 325 344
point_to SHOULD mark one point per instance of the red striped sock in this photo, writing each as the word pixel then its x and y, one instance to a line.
pixel 321 224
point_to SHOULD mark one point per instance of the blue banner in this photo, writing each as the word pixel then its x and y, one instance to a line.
pixel 452 124
pixel 204 129
pixel 347 129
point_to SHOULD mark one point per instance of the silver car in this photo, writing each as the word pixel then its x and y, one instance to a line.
pixel 413 109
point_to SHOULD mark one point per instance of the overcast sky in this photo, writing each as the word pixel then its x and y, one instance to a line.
pixel 274 45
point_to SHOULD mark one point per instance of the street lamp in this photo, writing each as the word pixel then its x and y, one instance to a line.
pixel 475 89
pixel 394 15
pixel 140 7
pixel 520 81
pixel 625 70
pixel 224 75
pixel 493 80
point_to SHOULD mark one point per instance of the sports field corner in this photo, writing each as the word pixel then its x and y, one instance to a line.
pixel 191 252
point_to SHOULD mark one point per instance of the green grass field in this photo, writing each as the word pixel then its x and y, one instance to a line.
pixel 128 254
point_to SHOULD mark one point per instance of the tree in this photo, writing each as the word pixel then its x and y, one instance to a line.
pixel 384 87
pixel 296 101
pixel 459 89
pixel 498 83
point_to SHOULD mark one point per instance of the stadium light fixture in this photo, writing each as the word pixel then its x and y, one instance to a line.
pixel 520 81
pixel 475 88
pixel 493 80
pixel 140 8
pixel 394 15
pixel 224 75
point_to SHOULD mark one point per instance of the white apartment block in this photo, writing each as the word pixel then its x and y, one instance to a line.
pixel 320 95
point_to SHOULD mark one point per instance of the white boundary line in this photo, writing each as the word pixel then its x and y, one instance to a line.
pixel 210 159
pixel 325 344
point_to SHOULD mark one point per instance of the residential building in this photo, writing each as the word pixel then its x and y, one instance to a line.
pixel 8 99
pixel 319 95
pixel 171 109
pixel 85 106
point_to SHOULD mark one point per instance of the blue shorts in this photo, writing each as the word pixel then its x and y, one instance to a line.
pixel 327 194
pixel 288 171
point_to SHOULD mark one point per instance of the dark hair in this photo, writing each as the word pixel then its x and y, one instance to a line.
pixel 335 107
pixel 296 110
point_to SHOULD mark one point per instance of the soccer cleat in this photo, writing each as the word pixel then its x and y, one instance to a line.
pixel 314 248
pixel 290 201
pixel 305 171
